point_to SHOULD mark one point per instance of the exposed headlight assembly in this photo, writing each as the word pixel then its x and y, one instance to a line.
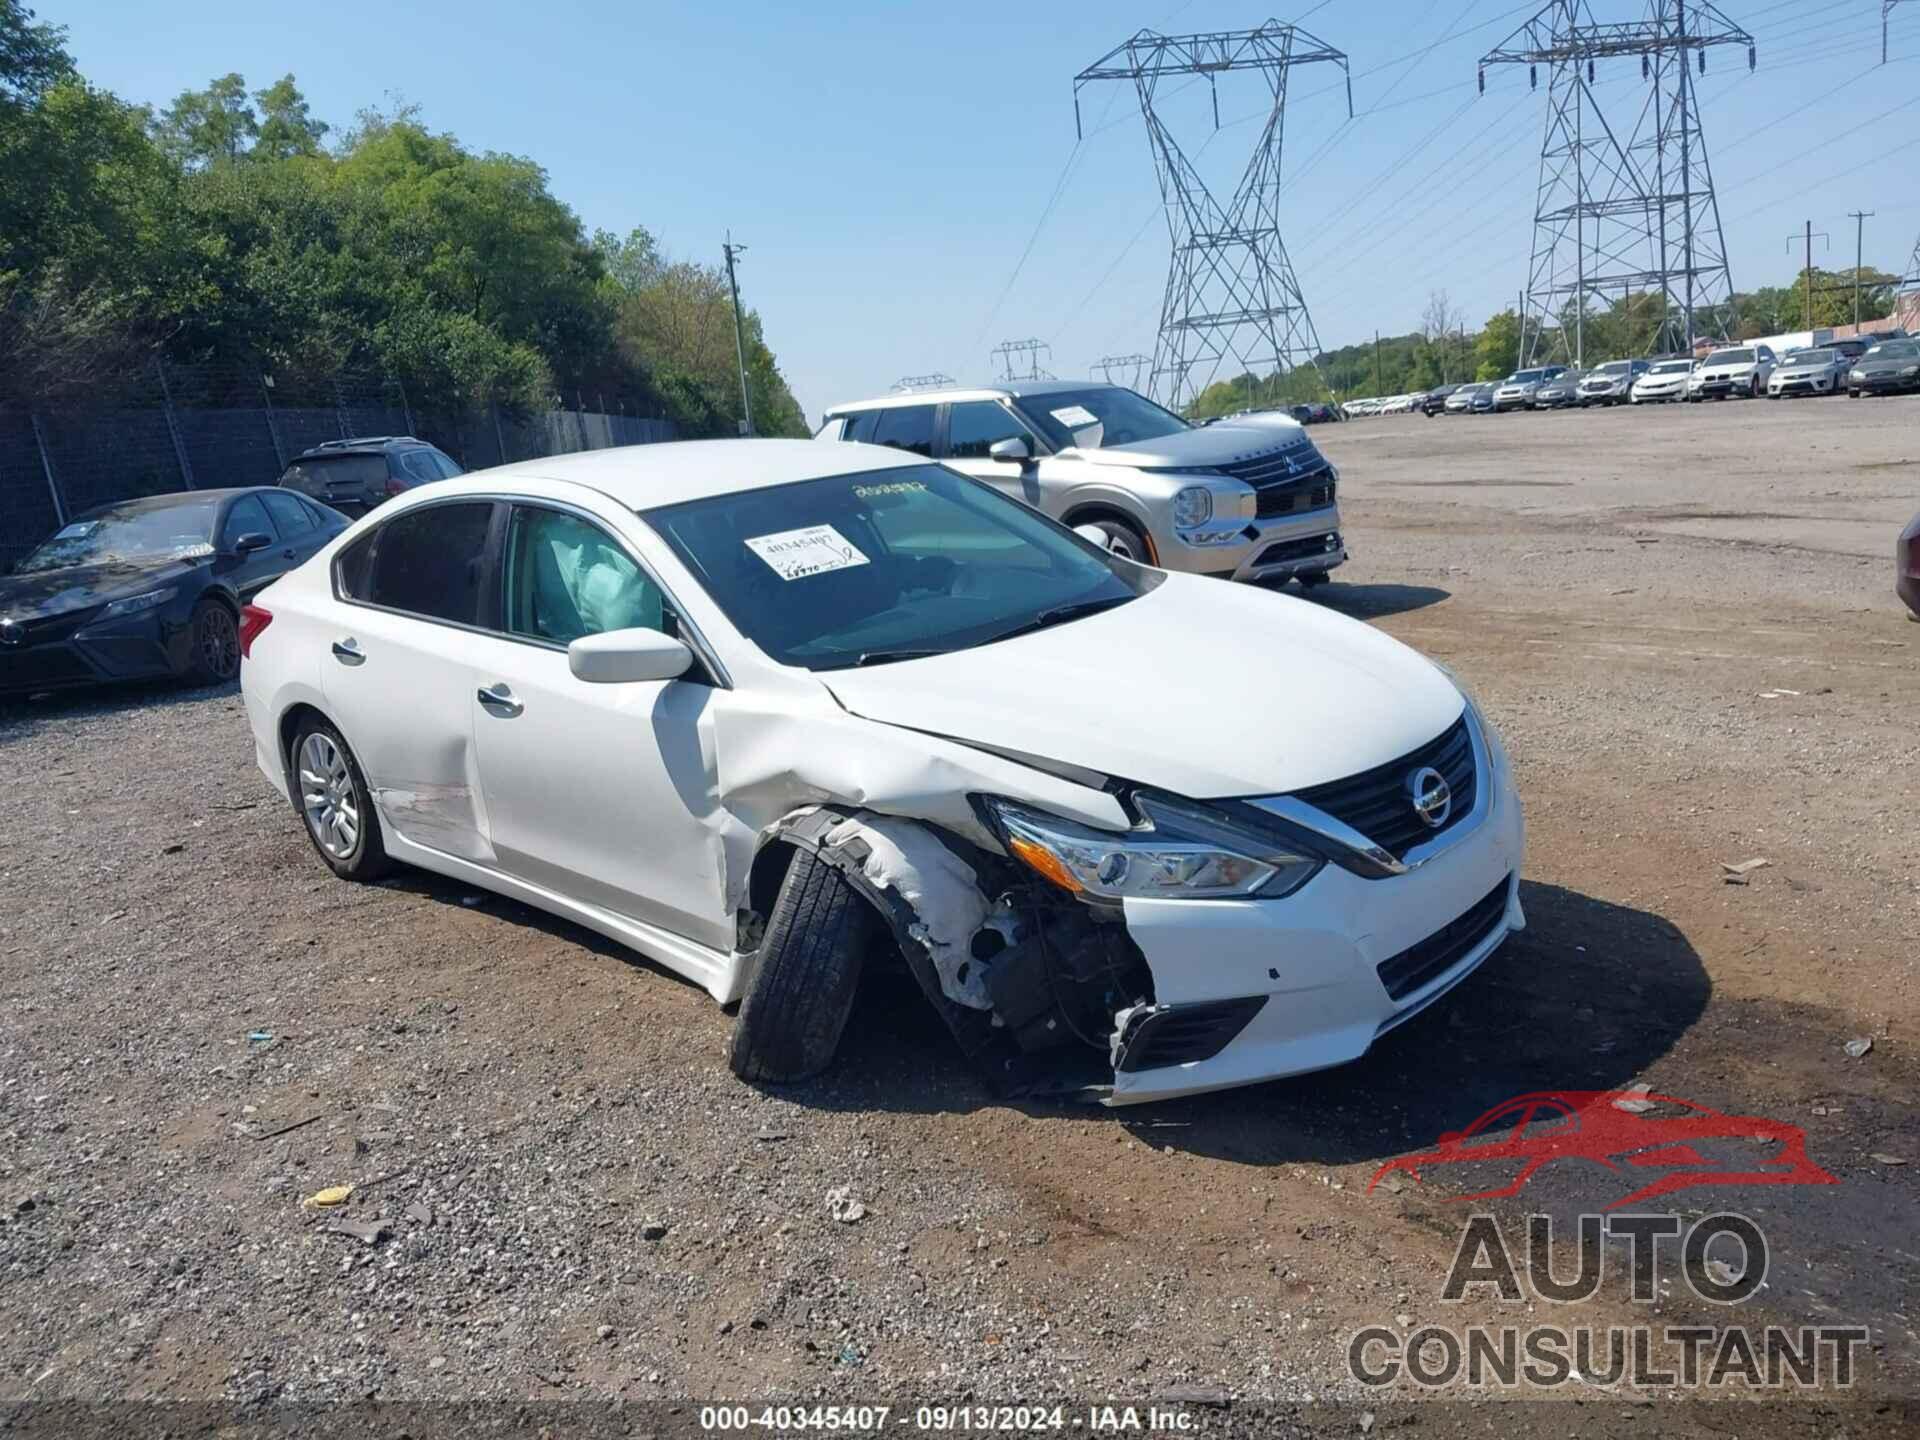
pixel 1184 852
pixel 139 604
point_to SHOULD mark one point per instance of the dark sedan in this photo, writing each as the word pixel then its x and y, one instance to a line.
pixel 1434 402
pixel 151 587
pixel 1890 366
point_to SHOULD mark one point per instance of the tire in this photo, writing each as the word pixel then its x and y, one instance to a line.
pixel 805 974
pixel 216 644
pixel 1125 540
pixel 335 807
pixel 1853 394
pixel 1311 578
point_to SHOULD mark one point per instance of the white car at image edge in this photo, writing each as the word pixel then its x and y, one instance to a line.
pixel 773 713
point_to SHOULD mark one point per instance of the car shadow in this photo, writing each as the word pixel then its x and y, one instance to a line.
pixel 24 715
pixel 1586 998
pixel 1371 602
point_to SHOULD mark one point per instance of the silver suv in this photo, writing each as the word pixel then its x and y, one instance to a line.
pixel 1250 498
pixel 1611 383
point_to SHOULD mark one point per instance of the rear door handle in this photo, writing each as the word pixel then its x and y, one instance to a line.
pixel 348 652
pixel 499 699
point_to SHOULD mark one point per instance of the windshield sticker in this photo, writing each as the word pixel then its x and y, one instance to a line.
pixel 1074 417
pixel 813 550
pixel 79 530
pixel 892 487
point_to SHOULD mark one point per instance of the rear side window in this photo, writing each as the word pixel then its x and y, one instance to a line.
pixel 417 465
pixel 289 514
pixel 428 562
pixel 350 570
pixel 906 427
pixel 860 427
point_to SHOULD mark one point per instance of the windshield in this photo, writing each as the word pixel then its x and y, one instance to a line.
pixel 887 565
pixel 1810 357
pixel 1730 357
pixel 1672 367
pixel 1614 367
pixel 1895 350
pixel 1526 377
pixel 137 531
pixel 1103 415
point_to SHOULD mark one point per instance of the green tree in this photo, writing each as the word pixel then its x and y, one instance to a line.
pixel 32 57
pixel 286 126
pixel 1496 346
pixel 205 126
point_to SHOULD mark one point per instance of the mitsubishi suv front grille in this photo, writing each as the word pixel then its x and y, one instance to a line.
pixel 1379 804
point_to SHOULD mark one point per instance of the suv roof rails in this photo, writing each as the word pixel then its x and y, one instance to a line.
pixel 356 441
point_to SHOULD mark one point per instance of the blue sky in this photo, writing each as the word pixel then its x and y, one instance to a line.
pixel 887 164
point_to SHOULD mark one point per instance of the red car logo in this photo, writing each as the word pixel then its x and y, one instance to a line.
pixel 1627 1131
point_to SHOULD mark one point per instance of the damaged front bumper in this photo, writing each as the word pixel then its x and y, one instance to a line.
pixel 1254 990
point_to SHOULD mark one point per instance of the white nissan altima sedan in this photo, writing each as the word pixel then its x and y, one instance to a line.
pixel 772 712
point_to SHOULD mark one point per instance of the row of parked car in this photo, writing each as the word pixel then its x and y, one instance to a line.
pixel 1874 365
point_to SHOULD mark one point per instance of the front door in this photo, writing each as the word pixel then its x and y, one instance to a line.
pixel 602 793
pixel 973 428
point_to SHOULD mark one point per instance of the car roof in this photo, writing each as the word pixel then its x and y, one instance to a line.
pixel 643 476
pixel 143 503
pixel 1000 389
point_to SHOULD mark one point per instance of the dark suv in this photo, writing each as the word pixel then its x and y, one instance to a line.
pixel 353 476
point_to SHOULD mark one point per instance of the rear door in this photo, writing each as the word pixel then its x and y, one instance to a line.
pixel 300 531
pixel 399 679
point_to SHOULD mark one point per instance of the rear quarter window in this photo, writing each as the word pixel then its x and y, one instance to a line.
pixel 316 473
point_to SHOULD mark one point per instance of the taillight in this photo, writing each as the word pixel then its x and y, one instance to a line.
pixel 395 485
pixel 253 620
pixel 1913 555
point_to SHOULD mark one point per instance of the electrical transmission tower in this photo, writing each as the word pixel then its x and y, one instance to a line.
pixel 1007 359
pixel 1231 291
pixel 1616 218
pixel 1133 366
pixel 1886 10
pixel 922 382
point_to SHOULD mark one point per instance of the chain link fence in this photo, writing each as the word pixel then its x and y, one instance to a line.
pixel 186 427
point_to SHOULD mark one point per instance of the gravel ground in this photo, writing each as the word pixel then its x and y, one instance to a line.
pixel 1682 622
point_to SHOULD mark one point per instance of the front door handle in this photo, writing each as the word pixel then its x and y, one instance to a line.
pixel 499 699
pixel 348 652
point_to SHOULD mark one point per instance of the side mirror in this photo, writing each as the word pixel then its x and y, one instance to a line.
pixel 251 541
pixel 1014 450
pixel 1094 535
pixel 618 657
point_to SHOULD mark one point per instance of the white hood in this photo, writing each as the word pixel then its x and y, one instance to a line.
pixel 1204 688
pixel 1225 442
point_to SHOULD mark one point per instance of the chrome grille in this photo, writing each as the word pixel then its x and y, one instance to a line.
pixel 1375 802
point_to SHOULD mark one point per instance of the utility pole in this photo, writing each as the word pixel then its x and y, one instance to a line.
pixel 739 337
pixel 1860 218
pixel 1376 364
pixel 1809 239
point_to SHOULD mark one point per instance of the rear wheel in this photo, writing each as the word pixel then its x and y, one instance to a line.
pixel 216 644
pixel 1310 578
pixel 805 973
pixel 333 801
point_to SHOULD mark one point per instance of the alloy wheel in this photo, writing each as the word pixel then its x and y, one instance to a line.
pixel 218 640
pixel 327 797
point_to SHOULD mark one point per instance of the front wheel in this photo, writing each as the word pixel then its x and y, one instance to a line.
pixel 333 802
pixel 216 644
pixel 805 973
pixel 1311 578
pixel 1126 541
